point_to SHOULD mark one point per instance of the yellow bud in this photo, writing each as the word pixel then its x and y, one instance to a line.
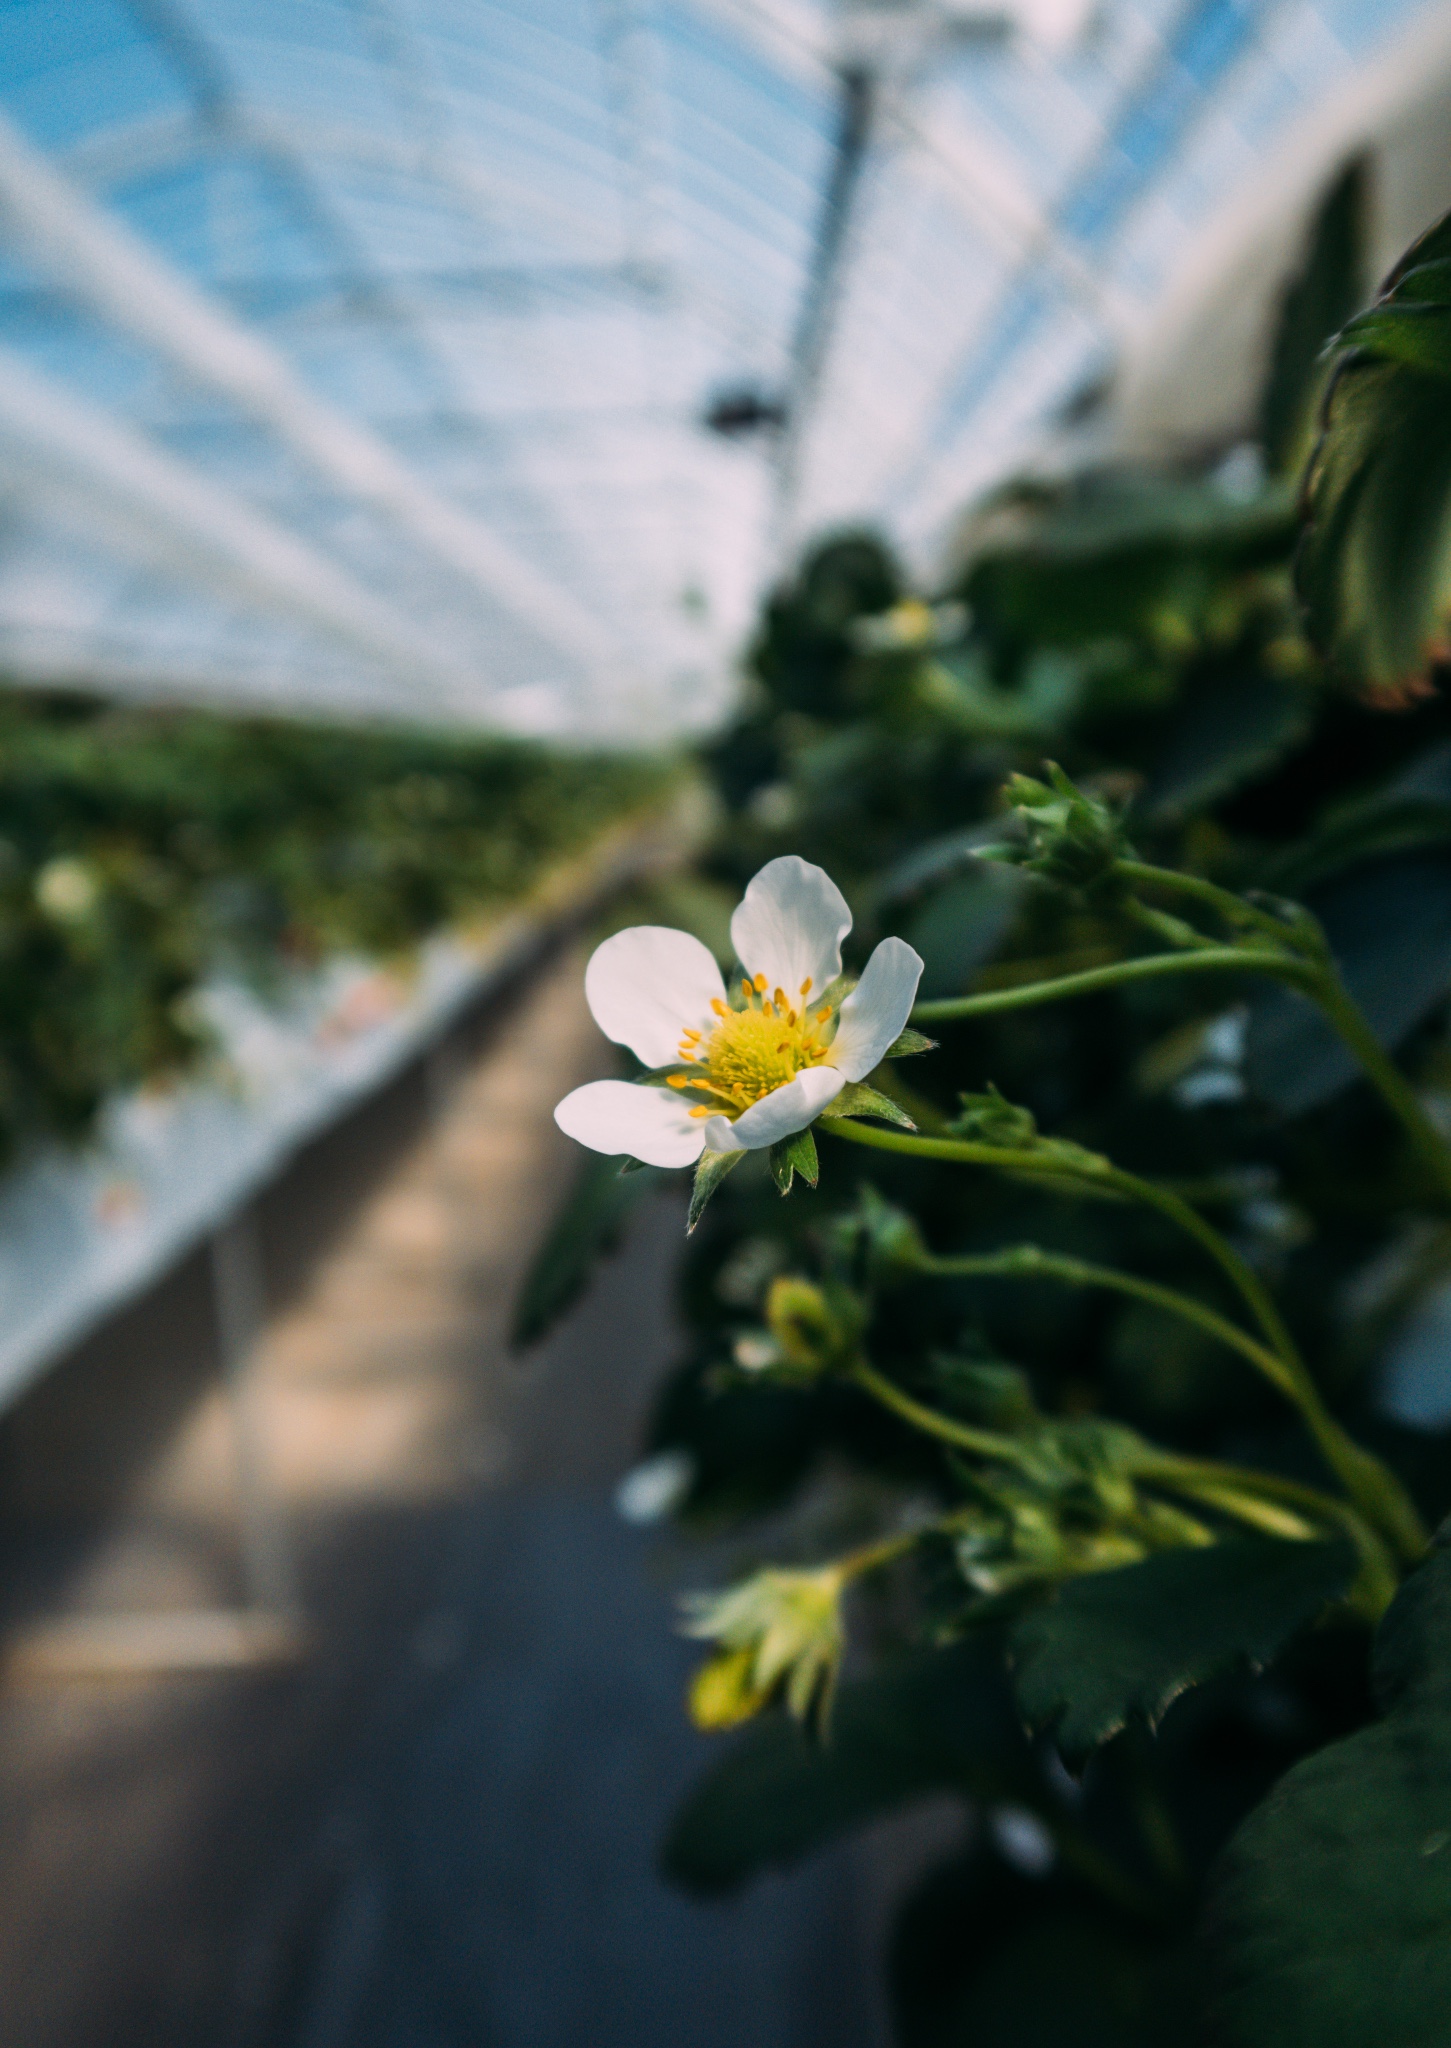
pixel 723 1693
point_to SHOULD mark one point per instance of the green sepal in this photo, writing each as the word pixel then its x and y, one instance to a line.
pixel 796 1154
pixel 910 1042
pixel 856 1099
pixel 628 1165
pixel 712 1170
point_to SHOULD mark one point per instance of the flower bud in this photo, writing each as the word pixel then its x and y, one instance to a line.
pixel 1073 838
pixel 66 890
pixel 814 1328
pixel 780 1631
pixel 991 1119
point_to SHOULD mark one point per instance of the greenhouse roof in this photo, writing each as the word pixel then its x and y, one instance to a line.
pixel 480 361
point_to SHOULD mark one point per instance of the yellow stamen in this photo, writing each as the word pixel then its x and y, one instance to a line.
pixel 806 986
pixel 692 1037
pixel 759 984
pixel 823 1013
pixel 746 990
pixel 718 1006
pixel 780 999
pixel 677 1080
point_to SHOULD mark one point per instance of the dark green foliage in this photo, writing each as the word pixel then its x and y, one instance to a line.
pixel 983 1955
pixel 1389 926
pixel 1225 737
pixel 586 1227
pixel 140 851
pixel 1375 565
pixel 1142 631
pixel 934 1723
pixel 1330 288
pixel 1329 1918
pixel 1123 1645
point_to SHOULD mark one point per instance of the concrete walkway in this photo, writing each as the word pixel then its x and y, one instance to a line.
pixel 429 1821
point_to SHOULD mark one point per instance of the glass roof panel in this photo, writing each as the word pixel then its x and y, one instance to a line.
pixel 482 361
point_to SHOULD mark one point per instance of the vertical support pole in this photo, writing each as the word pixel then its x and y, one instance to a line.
pixel 239 1292
pixel 812 339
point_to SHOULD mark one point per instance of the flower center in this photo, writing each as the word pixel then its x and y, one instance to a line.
pixel 753 1051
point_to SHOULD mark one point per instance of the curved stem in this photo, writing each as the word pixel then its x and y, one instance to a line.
pixel 986 1442
pixel 1381 1070
pixel 857 1563
pixel 1226 1487
pixel 1323 984
pixel 959 1151
pixel 1233 909
pixel 1030 1261
pixel 1212 959
pixel 1236 1269
pixel 1240 1492
pixel 1368 1482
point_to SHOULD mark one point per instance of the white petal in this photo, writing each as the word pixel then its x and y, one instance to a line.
pixel 789 926
pixel 875 1014
pixel 647 985
pixel 778 1114
pixel 652 1124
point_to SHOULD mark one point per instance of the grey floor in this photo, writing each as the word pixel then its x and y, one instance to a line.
pixel 437 1825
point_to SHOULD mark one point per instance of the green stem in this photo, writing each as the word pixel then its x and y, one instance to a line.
pixel 858 1562
pixel 1381 1070
pixel 1367 1481
pixel 1228 1487
pixel 1213 959
pixel 985 1442
pixel 1030 1261
pixel 1370 1484
pixel 1233 909
pixel 1237 1270
pixel 1232 1490
pixel 1324 986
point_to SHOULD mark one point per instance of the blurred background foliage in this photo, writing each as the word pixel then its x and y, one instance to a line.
pixel 142 851
pixel 1145 630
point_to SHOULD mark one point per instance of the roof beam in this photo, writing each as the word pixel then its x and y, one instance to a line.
pixel 98 258
pixel 153 505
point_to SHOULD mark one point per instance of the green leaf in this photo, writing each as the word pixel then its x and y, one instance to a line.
pixel 856 1099
pixel 712 1170
pixel 1417 335
pixel 943 1720
pixel 1123 1645
pixel 910 1042
pixel 961 926
pixel 1329 1915
pixel 1374 567
pixel 1389 928
pixel 1411 810
pixel 1223 737
pixel 1329 288
pixel 586 1227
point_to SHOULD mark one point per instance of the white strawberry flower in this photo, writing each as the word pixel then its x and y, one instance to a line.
pixel 741 1076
